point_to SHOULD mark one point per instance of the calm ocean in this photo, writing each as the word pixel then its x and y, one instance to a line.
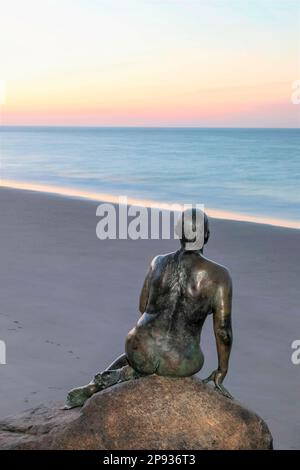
pixel 253 171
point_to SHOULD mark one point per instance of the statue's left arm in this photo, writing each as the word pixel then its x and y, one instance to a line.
pixel 144 295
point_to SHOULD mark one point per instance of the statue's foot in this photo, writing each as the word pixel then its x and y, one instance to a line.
pixel 78 396
pixel 108 378
pixel 114 376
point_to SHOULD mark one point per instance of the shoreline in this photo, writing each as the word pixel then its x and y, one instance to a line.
pixel 68 300
pixel 113 199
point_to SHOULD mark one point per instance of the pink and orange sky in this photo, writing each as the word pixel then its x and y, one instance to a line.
pixel 226 63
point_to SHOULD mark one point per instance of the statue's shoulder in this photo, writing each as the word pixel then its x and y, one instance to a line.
pixel 155 261
pixel 218 272
pixel 160 259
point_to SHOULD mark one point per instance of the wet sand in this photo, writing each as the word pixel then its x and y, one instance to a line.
pixel 68 299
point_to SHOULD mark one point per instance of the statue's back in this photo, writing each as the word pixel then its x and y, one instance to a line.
pixel 182 283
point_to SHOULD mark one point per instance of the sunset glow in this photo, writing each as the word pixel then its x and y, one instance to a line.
pixel 142 62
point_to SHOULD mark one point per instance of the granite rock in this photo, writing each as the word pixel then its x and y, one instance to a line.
pixel 155 413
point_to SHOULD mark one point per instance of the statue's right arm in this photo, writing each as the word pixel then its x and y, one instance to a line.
pixel 222 326
pixel 223 331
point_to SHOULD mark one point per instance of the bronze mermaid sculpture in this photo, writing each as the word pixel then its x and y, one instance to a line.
pixel 180 290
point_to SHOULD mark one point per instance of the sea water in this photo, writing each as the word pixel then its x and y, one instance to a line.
pixel 250 171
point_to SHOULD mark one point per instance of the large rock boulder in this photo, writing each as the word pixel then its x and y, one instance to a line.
pixel 149 413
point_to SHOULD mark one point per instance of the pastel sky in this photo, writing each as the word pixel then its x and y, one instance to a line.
pixel 223 63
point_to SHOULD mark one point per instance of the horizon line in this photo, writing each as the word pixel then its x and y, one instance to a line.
pixel 80 126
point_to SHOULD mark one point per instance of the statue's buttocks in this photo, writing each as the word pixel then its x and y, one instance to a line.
pixel 150 351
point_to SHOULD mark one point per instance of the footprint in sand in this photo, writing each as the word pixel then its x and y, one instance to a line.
pixel 16 322
pixel 59 345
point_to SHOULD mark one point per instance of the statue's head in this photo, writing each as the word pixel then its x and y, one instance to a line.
pixel 192 228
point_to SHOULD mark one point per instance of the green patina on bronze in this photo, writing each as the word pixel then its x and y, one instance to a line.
pixel 180 290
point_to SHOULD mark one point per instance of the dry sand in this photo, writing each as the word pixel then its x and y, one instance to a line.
pixel 67 301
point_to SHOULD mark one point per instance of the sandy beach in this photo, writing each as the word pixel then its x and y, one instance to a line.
pixel 68 299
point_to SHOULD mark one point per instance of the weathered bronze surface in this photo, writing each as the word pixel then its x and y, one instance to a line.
pixel 180 290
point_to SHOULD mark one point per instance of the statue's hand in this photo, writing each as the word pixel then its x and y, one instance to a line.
pixel 217 377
